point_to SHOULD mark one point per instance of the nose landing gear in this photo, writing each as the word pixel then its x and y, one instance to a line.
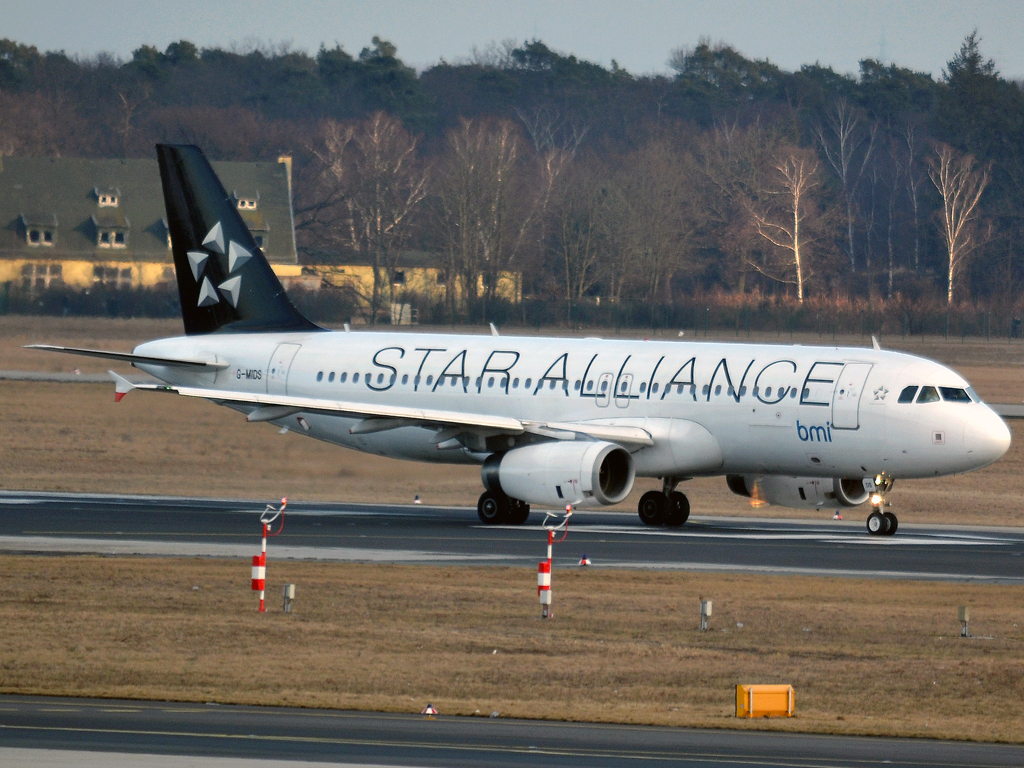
pixel 881 522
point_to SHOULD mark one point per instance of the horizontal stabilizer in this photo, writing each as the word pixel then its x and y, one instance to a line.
pixel 127 357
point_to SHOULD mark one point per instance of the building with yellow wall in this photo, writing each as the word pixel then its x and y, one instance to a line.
pixel 84 222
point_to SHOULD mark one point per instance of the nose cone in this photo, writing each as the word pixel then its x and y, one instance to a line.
pixel 986 438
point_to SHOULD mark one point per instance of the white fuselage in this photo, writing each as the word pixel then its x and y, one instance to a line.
pixel 712 408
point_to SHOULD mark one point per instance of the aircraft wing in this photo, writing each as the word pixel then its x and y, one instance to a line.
pixel 127 357
pixel 380 417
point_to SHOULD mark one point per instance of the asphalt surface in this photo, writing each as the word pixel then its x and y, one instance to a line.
pixel 269 733
pixel 45 522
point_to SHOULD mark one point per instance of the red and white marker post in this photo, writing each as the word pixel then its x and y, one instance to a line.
pixel 259 562
pixel 544 568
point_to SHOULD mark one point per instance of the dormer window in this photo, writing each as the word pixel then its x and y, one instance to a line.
pixel 106 198
pixel 40 230
pixel 40 236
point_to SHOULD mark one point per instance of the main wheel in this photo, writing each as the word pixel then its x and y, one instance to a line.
pixel 893 523
pixel 878 525
pixel 518 511
pixel 493 508
pixel 678 509
pixel 653 508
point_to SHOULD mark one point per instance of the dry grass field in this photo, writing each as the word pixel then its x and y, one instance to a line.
pixel 74 438
pixel 865 657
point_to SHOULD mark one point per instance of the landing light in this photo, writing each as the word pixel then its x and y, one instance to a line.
pixel 875 499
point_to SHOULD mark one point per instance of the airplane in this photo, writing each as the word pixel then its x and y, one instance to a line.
pixel 553 421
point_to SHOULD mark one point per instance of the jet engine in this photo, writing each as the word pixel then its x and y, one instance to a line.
pixel 803 492
pixel 585 474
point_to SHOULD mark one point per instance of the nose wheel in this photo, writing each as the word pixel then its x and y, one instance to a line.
pixel 881 522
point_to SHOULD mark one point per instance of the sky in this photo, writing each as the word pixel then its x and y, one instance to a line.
pixel 639 34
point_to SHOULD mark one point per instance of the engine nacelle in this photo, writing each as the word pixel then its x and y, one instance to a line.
pixel 803 492
pixel 584 474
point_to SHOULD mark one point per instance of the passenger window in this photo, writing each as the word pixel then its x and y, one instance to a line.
pixel 527 383
pixel 590 385
pixel 320 376
pixel 330 377
pixel 928 395
pixel 954 395
pixel 907 395
pixel 654 389
pixel 604 386
pixel 405 378
pixel 643 387
pixel 515 383
pixel 355 378
pixel 490 381
pixel 343 377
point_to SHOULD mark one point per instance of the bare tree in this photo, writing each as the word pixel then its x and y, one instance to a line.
pixel 842 138
pixel 782 221
pixel 911 173
pixel 360 193
pixel 580 236
pixel 732 165
pixel 960 182
pixel 387 186
pixel 489 198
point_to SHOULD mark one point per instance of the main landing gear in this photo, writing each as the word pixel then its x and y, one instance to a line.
pixel 499 509
pixel 881 522
pixel 665 507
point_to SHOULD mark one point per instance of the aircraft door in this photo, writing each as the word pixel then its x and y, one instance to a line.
pixel 280 363
pixel 624 390
pixel 604 390
pixel 848 391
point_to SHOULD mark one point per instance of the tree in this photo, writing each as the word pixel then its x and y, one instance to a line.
pixel 580 233
pixel 488 199
pixel 847 146
pixel 782 218
pixel 961 183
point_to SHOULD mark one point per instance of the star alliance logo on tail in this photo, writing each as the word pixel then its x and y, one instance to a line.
pixel 238 256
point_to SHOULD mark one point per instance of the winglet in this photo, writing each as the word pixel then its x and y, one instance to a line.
pixel 121 386
pixel 874 342
pixel 494 331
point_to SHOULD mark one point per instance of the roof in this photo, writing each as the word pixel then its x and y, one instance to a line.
pixel 62 193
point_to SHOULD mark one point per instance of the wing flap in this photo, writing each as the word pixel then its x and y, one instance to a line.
pixel 424 416
pixel 380 417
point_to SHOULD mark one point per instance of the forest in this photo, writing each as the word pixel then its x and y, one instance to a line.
pixel 726 191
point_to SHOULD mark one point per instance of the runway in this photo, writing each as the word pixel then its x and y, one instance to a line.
pixel 165 526
pixel 359 738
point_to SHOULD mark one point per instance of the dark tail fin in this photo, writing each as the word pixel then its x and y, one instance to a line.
pixel 224 281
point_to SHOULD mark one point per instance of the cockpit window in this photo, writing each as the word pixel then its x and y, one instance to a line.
pixel 928 395
pixel 954 395
pixel 907 395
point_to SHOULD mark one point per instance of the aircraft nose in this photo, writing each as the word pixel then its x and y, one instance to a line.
pixel 986 438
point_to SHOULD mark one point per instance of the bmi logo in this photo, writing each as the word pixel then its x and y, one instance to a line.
pixel 814 434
